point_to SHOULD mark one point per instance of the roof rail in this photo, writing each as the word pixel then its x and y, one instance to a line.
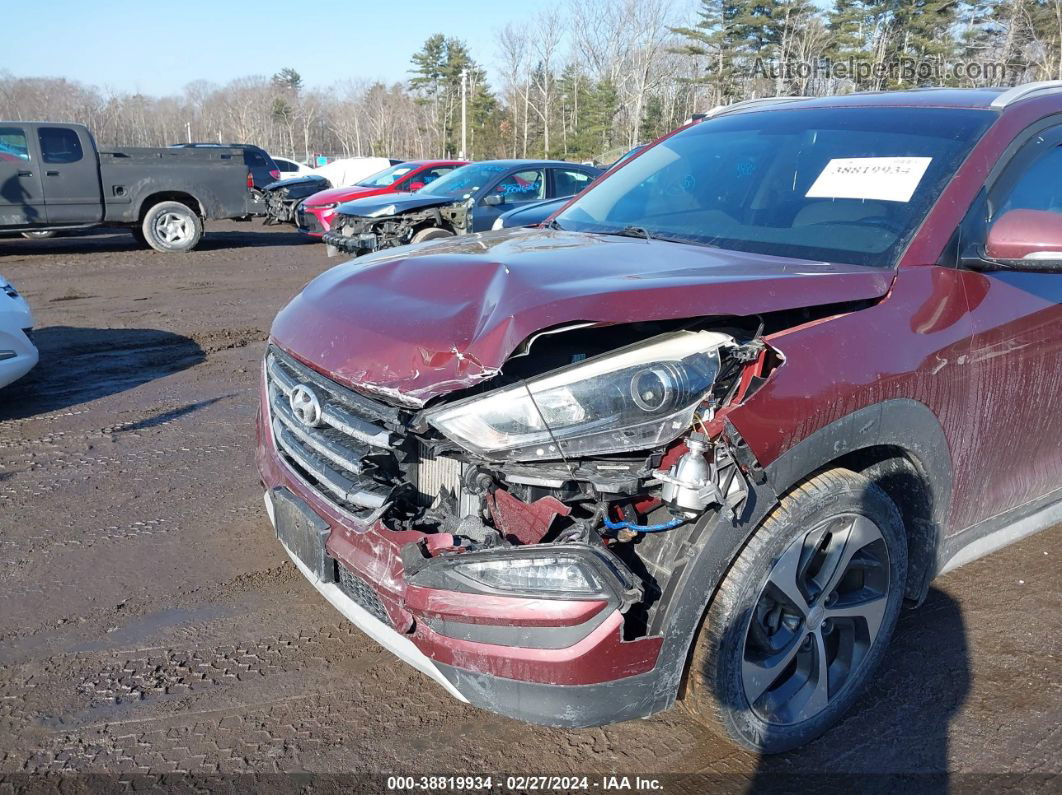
pixel 1012 95
pixel 745 104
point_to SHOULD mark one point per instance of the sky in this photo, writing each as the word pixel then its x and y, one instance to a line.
pixel 157 47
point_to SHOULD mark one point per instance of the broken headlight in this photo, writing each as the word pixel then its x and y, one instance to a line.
pixel 637 397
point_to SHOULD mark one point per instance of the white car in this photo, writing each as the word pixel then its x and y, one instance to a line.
pixel 289 168
pixel 17 352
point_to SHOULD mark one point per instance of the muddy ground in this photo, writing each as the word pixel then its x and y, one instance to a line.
pixel 150 622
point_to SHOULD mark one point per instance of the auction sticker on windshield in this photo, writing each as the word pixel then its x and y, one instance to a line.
pixel 892 179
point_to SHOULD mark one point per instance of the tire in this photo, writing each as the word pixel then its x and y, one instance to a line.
pixel 39 235
pixel 790 600
pixel 172 227
pixel 431 233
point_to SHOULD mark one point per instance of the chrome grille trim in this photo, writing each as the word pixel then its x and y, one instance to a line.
pixel 348 490
pixel 359 456
pixel 341 458
pixel 331 413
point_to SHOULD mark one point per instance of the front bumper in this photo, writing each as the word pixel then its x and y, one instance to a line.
pixel 311 221
pixel 18 355
pixel 553 662
pixel 337 241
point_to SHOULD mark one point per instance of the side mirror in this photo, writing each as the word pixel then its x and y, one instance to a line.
pixel 493 199
pixel 415 186
pixel 1021 240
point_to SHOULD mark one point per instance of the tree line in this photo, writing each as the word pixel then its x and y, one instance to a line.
pixel 585 80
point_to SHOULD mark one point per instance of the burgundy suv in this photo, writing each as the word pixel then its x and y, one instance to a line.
pixel 706 432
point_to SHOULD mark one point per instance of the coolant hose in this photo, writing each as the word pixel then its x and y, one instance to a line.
pixel 643 528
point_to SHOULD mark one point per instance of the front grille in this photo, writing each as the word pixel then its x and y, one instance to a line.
pixel 308 222
pixel 357 455
pixel 363 594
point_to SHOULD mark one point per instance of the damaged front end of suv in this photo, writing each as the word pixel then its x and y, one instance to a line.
pixel 518 514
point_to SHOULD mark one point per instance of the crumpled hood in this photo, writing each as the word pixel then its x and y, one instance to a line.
pixel 421 321
pixel 335 195
pixel 305 182
pixel 403 202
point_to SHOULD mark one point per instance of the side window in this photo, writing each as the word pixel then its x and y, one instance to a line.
pixel 1024 218
pixel 1038 188
pixel 523 186
pixel 253 158
pixel 59 145
pixel 568 182
pixel 429 175
pixel 13 144
pixel 286 165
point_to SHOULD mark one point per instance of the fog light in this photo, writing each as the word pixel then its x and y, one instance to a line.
pixel 555 574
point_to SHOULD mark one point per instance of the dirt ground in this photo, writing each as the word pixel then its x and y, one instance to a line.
pixel 149 622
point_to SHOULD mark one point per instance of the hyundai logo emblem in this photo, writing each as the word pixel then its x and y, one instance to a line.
pixel 305 405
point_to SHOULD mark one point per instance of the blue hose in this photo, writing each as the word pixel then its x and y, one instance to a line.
pixel 643 528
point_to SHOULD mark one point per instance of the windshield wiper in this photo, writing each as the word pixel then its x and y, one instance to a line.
pixel 635 231
pixel 554 225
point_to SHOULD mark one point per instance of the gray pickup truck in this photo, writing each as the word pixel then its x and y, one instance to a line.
pixel 54 178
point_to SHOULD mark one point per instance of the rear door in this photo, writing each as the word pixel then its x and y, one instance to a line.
pixel 21 194
pixel 568 181
pixel 71 176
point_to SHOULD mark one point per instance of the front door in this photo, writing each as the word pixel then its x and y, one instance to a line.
pixel 21 195
pixel 1015 364
pixel 70 177
pixel 515 188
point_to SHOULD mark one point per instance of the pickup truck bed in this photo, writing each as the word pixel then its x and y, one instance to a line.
pixel 53 177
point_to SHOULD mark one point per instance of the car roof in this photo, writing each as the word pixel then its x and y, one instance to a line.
pixel 995 98
pixel 511 163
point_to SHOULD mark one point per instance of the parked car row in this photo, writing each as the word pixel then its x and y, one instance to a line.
pixel 704 434
pixel 468 199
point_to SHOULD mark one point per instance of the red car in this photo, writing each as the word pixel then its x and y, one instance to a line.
pixel 705 432
pixel 314 215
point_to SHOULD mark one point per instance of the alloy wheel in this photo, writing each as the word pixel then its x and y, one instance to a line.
pixel 173 228
pixel 816 618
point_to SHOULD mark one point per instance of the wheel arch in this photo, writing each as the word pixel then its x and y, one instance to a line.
pixel 181 197
pixel 900 445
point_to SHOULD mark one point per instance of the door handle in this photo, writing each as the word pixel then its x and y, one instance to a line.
pixel 25 173
pixel 52 173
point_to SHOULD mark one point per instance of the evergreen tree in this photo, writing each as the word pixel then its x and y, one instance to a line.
pixel 437 76
pixel 717 38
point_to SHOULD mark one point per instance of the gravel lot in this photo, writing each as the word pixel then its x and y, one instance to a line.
pixel 150 622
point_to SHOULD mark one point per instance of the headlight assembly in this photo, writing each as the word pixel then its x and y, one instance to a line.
pixel 638 397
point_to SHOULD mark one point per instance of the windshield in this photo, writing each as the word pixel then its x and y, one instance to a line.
pixel 389 176
pixel 844 185
pixel 466 180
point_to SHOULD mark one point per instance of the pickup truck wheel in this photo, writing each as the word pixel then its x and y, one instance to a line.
pixel 172 227
pixel 41 235
pixel 803 617
pixel 431 233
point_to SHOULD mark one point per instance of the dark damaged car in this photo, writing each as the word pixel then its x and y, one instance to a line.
pixel 468 199
pixel 282 198
pixel 705 435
